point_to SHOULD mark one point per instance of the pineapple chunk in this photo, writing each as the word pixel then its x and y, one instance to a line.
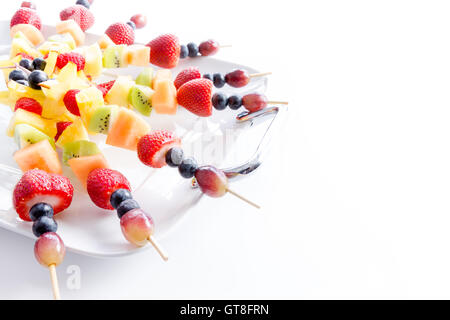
pixel 88 101
pixel 18 91
pixel 8 63
pixel 76 131
pixel 119 92
pixel 104 42
pixel 19 45
pixel 94 62
pixel 64 38
pixel 59 47
pixel 32 119
pixel 52 109
pixel 51 63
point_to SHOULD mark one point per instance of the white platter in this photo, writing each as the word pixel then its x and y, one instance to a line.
pixel 86 229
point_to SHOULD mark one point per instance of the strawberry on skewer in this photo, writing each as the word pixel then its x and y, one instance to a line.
pixel 38 197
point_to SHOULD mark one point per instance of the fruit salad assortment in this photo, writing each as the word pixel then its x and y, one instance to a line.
pixel 58 103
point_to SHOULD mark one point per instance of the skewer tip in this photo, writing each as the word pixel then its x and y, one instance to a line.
pixel 244 199
pixel 158 248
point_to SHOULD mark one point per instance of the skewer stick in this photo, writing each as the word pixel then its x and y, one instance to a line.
pixel 158 248
pixel 54 279
pixel 43 86
pixel 225 46
pixel 277 102
pixel 261 74
pixel 244 199
pixel 8 67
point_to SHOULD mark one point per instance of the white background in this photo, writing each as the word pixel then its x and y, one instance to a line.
pixel 355 195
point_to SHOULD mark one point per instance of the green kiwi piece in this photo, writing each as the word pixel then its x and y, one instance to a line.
pixel 24 135
pixel 145 78
pixel 101 118
pixel 113 56
pixel 78 149
pixel 140 97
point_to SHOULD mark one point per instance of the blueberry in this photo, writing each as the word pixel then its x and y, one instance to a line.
pixel 84 3
pixel 193 49
pixel 208 76
pixel 37 77
pixel 187 168
pixel 43 225
pixel 174 157
pixel 27 64
pixel 219 80
pixel 126 206
pixel 219 101
pixel 184 52
pixel 39 210
pixel 39 64
pixel 119 196
pixel 131 24
pixel 23 82
pixel 16 75
pixel 234 102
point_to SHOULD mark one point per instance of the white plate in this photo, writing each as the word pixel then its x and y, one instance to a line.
pixel 86 229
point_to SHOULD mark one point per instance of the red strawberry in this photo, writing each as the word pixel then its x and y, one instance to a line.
pixel 26 16
pixel 70 102
pixel 80 14
pixel 28 104
pixel 105 87
pixel 187 75
pixel 101 183
pixel 74 57
pixel 165 51
pixel 39 186
pixel 152 148
pixel 60 127
pixel 25 56
pixel 120 33
pixel 195 96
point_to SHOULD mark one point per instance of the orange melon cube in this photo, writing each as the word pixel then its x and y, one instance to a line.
pixel 82 166
pixel 161 74
pixel 138 55
pixel 126 129
pixel 70 26
pixel 164 99
pixel 33 34
pixel 40 155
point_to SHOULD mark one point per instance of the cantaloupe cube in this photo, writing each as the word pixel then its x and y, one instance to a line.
pixel 161 74
pixel 40 155
pixel 126 128
pixel 164 98
pixel 138 55
pixel 33 34
pixel 104 42
pixel 34 120
pixel 70 26
pixel 82 166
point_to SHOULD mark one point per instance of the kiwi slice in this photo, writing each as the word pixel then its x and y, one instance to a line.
pixel 101 118
pixel 145 78
pixel 24 135
pixel 140 97
pixel 113 57
pixel 78 149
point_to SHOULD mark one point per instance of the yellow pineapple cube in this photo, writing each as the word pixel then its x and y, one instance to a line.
pixel 88 101
pixel 119 92
pixel 32 119
pixel 76 131
pixel 51 63
pixel 19 45
pixel 94 60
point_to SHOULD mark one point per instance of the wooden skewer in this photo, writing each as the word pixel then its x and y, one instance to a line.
pixel 261 74
pixel 158 248
pixel 225 46
pixel 244 199
pixel 8 67
pixel 43 86
pixel 54 279
pixel 277 102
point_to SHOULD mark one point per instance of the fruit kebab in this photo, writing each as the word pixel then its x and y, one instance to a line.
pixel 162 147
pixel 38 197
